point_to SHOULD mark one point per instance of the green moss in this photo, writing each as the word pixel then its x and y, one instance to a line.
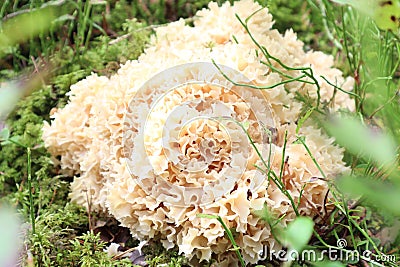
pixel 25 124
pixel 88 250
pixel 61 239
pixel 54 230
pixel 156 255
pixel 106 56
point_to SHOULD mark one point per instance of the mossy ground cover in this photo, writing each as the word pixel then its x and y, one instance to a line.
pixel 97 36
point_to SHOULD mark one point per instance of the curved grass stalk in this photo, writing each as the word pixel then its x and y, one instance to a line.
pixel 255 86
pixel 340 89
pixel 307 71
pixel 228 232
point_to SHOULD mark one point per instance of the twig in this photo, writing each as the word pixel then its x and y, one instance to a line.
pixel 37 70
pixel 23 11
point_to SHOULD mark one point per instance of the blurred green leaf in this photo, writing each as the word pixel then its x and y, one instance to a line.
pixel 361 140
pixel 16 139
pixel 385 196
pixel 4 134
pixel 10 237
pixel 23 27
pixel 366 7
pixel 9 96
pixel 298 233
pixel 385 13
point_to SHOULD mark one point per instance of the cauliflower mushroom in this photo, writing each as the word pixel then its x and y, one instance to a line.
pixel 155 151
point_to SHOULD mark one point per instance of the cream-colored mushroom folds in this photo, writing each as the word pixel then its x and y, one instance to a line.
pixel 167 137
pixel 185 143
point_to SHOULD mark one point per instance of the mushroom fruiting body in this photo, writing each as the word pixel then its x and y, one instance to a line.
pixel 126 138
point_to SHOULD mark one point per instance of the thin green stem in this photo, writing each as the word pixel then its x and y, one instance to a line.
pixel 255 86
pixel 31 207
pixel 283 161
pixel 340 89
pixel 228 232
pixel 312 157
pixel 306 71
